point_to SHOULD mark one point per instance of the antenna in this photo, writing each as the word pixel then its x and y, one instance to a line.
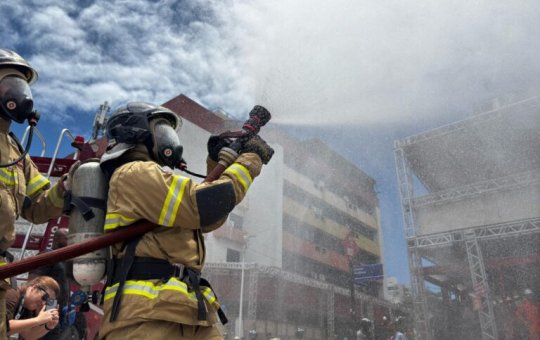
pixel 100 120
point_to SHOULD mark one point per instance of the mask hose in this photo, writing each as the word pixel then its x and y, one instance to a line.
pixel 32 121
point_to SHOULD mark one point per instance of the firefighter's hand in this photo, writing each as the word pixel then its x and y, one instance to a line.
pixel 215 144
pixel 257 145
pixel 67 179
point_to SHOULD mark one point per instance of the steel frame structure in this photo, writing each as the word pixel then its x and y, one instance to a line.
pixel 469 236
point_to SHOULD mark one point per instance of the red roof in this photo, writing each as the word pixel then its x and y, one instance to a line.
pixel 195 113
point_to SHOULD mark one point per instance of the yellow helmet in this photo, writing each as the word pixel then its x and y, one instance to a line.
pixel 9 58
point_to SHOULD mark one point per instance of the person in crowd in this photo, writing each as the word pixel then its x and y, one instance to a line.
pixel 67 328
pixel 398 327
pixel 364 333
pixel 527 315
pixel 156 290
pixel 24 191
pixel 32 309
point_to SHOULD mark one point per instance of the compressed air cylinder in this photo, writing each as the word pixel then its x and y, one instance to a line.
pixel 89 185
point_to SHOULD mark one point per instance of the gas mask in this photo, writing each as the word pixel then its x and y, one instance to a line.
pixel 166 149
pixel 16 101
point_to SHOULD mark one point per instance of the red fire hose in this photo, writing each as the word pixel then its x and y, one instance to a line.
pixel 74 250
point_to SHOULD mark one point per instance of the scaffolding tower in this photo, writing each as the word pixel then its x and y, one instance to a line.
pixel 480 206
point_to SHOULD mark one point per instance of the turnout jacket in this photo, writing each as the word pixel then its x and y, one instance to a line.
pixel 142 190
pixel 24 191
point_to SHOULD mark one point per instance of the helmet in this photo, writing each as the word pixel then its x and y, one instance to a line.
pixel 10 58
pixel 141 123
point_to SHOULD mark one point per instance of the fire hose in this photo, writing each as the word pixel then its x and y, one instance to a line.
pixel 258 117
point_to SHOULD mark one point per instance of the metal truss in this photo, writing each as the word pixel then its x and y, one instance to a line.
pixel 418 294
pixel 252 295
pixel 501 230
pixel 513 181
pixel 524 105
pixel 406 191
pixel 480 286
pixel 492 231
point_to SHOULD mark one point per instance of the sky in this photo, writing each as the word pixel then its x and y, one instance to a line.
pixel 356 74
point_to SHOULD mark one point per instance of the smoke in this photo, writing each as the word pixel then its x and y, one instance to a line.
pixel 372 62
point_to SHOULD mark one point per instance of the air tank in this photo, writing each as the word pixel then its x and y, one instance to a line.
pixel 90 185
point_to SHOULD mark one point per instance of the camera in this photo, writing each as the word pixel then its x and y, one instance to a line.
pixel 51 304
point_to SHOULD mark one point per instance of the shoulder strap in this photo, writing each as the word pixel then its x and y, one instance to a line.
pixel 127 262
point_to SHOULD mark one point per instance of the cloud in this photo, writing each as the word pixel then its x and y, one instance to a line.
pixel 366 62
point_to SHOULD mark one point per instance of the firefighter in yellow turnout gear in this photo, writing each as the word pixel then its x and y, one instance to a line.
pixel 156 291
pixel 23 190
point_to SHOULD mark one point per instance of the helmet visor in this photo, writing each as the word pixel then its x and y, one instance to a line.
pixel 16 98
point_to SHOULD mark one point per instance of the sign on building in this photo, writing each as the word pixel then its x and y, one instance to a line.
pixel 365 273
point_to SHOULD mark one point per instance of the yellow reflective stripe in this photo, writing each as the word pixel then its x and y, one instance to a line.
pixel 2 263
pixel 151 291
pixel 241 173
pixel 8 177
pixel 113 221
pixel 172 201
pixel 35 184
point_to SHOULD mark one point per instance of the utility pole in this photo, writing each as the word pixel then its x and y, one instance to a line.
pixel 351 249
pixel 240 323
pixel 240 330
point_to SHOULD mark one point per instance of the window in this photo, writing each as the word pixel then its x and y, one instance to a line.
pixel 233 255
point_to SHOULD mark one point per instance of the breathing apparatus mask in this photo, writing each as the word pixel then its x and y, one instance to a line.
pixel 140 123
pixel 16 101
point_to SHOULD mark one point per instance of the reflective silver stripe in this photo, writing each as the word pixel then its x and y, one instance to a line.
pixel 114 220
pixel 151 291
pixel 8 177
pixel 241 173
pixel 35 184
pixel 174 197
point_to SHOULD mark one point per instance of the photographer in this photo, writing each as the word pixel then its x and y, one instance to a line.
pixel 31 309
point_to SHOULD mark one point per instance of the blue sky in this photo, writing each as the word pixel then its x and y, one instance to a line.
pixel 356 74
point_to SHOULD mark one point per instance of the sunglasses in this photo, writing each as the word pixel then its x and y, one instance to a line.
pixel 45 296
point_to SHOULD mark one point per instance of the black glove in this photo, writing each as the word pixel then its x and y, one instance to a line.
pixel 257 145
pixel 214 145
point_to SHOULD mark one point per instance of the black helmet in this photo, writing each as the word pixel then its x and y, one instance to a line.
pixel 142 123
pixel 12 59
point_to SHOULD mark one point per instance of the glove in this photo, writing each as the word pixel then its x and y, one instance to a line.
pixel 215 144
pixel 258 146
pixel 66 179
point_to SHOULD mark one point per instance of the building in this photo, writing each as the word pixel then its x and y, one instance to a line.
pixel 470 194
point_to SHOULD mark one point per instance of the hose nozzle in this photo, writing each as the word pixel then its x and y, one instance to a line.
pixel 258 117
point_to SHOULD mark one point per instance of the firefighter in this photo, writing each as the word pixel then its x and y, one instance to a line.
pixel 23 190
pixel 155 290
